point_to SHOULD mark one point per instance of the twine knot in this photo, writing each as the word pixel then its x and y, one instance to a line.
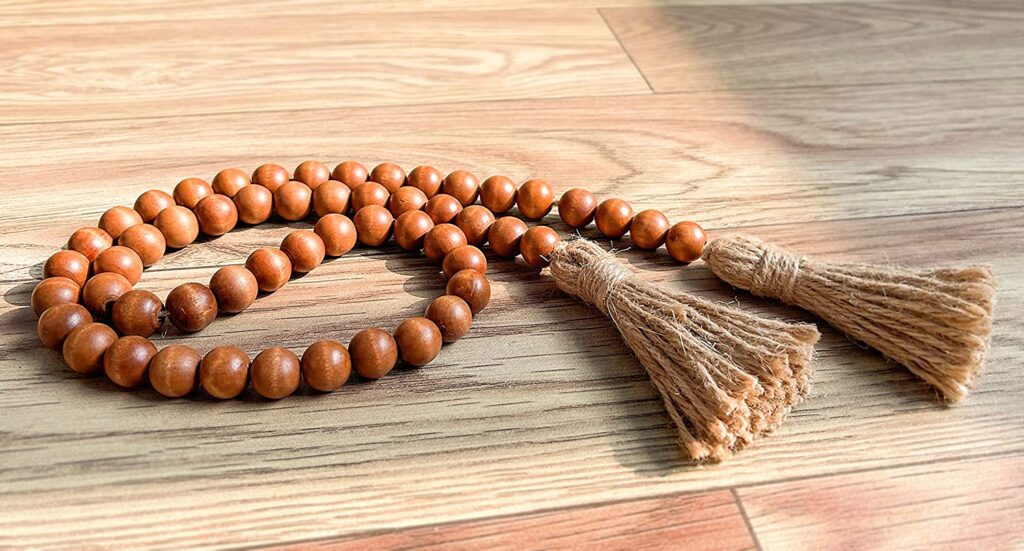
pixel 598 277
pixel 776 274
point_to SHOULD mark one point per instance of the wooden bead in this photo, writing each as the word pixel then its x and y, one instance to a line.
pixel 90 242
pixel 147 241
pixel 191 307
pixel 234 288
pixel 117 219
pixel 102 290
pixel 217 215
pixel 462 185
pixel 127 360
pixel 271 176
pixel 537 245
pixel 52 291
pixel 475 221
pixel 190 191
pixel 648 229
pixel 271 267
pixel 370 193
pixel 442 239
pixel 466 257
pixel 254 204
pixel 390 175
pixel 137 312
pixel 350 173
pixel 534 199
pixel 577 207
pixel 150 203
pixel 452 315
pixel 326 365
pixel 498 194
pixel 312 173
pixel 425 178
pixel 173 370
pixel 224 372
pixel 119 260
pixel 442 208
pixel 228 181
pixel 472 287
pixel 178 225
pixel 84 347
pixel 331 197
pixel 374 353
pixel 505 236
pixel 275 372
pixel 405 199
pixel 410 229
pixel 293 201
pixel 338 233
pixel 67 263
pixel 685 241
pixel 419 341
pixel 373 225
pixel 613 217
pixel 58 321
pixel 305 250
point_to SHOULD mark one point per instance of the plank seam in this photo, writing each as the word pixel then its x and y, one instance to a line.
pixel 746 518
pixel 600 13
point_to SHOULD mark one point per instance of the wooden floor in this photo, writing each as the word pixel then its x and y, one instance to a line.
pixel 860 131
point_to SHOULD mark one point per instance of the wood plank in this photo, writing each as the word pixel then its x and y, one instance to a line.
pixel 697 48
pixel 244 64
pixel 973 504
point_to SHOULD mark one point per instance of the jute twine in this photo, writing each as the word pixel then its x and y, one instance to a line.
pixel 937 323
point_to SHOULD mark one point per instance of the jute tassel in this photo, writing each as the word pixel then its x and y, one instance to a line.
pixel 726 376
pixel 935 322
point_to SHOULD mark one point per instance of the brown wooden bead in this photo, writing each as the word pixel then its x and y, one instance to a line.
pixel 275 372
pixel 190 191
pixel 685 241
pixel 326 365
pixel 228 181
pixel 405 199
pixel 373 225
pixel 67 263
pixel 84 347
pixel 350 173
pixel 137 312
pixel 419 341
pixel 338 233
pixel 146 240
pixel 254 204
pixel 312 173
pixel 370 193
pixel 475 221
pixel 117 219
pixel 505 236
pixel 442 239
pixel 410 229
pixel 271 267
pixel 52 291
pixel 425 178
pixel 271 176
pixel 234 288
pixel 466 257
pixel 90 242
pixel 224 372
pixel 150 203
pixel 58 321
pixel 119 260
pixel 577 208
pixel 472 287
pixel 537 245
pixel 217 215
pixel 498 194
pixel 648 229
pixel 331 197
pixel 102 290
pixel 173 371
pixel 374 353
pixel 442 208
pixel 390 175
pixel 535 198
pixel 452 315
pixel 178 225
pixel 191 307
pixel 462 185
pixel 613 217
pixel 305 250
pixel 127 360
pixel 293 201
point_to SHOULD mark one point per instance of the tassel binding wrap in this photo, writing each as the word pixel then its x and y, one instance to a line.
pixel 725 376
pixel 937 323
